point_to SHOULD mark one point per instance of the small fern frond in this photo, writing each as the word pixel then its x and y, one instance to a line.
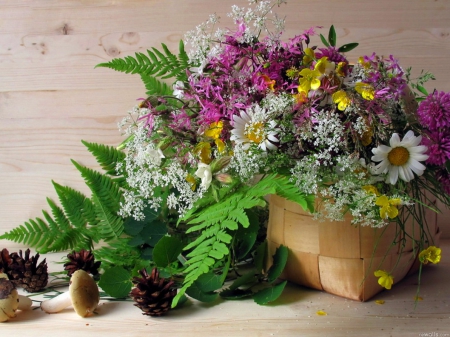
pixel 155 87
pixel 106 156
pixel 156 63
pixel 111 225
pixel 103 187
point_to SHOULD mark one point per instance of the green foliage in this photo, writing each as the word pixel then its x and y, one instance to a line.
pixel 167 250
pixel 332 40
pixel 258 284
pixel 81 220
pixel 215 222
pixel 116 282
pixel 153 64
pixel 106 156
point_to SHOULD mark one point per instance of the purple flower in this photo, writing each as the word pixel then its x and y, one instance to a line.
pixel 434 111
pixel 438 144
pixel 444 178
pixel 332 53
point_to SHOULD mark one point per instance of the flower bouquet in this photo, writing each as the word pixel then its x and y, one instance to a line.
pixel 247 115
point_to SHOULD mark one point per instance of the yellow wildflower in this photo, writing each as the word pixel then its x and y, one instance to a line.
pixel 191 180
pixel 214 130
pixel 371 189
pixel 366 90
pixel 341 99
pixel 309 56
pixel 340 68
pixel 385 279
pixel 310 80
pixel 366 65
pixel 220 145
pixel 203 150
pixel 431 254
pixel 388 206
pixel 323 64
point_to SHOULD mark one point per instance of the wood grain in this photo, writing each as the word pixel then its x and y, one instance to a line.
pixel 51 96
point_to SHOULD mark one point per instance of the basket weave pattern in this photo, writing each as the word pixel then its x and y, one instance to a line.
pixel 337 257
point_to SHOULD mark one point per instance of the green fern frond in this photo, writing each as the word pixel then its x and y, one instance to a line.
pixel 158 64
pixel 102 186
pixel 155 87
pixel 106 156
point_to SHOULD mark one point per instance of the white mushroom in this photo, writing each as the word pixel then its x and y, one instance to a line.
pixel 83 295
pixel 10 300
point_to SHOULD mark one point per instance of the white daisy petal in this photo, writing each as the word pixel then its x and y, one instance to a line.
pixel 394 141
pixel 393 175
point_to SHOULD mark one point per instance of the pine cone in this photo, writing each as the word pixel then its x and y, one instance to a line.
pixel 153 295
pixel 84 259
pixel 26 273
pixel 5 261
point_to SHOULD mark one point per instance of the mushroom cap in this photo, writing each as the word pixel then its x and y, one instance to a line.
pixel 9 298
pixel 84 293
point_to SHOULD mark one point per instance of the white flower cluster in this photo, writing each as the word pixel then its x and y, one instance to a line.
pixel 327 135
pixel 246 162
pixel 146 177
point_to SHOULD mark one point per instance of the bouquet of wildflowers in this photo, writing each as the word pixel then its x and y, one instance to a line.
pixel 248 114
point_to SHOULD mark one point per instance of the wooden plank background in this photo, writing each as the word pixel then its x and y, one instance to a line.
pixel 51 96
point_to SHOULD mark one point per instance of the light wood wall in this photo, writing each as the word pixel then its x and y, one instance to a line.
pixel 51 96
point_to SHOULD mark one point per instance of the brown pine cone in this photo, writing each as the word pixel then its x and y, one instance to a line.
pixel 26 273
pixel 153 295
pixel 84 260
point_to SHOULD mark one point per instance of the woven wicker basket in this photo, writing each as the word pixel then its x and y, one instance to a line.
pixel 338 257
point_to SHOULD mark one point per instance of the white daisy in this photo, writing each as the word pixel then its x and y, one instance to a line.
pixel 253 127
pixel 400 159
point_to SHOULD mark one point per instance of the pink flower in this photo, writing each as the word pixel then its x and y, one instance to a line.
pixel 444 178
pixel 434 111
pixel 438 144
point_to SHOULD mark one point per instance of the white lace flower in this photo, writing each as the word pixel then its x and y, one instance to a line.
pixel 253 127
pixel 400 159
pixel 204 173
pixel 178 89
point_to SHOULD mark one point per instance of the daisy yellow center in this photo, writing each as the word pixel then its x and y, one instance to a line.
pixel 398 156
pixel 255 132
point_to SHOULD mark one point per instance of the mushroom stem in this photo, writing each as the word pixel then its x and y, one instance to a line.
pixel 57 303
pixel 25 303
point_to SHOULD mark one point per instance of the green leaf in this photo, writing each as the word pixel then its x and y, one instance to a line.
pixel 153 232
pixel 279 262
pixel 332 36
pixel 246 237
pixel 209 282
pixel 261 257
pixel 348 47
pixel 269 294
pixel 236 294
pixel 247 279
pixel 422 90
pixel 116 282
pixel 324 40
pixel 167 250
pixel 195 292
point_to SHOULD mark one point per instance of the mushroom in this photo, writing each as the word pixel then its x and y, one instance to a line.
pixel 83 295
pixel 10 300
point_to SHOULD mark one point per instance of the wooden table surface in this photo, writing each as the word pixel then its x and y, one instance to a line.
pixel 51 97
pixel 293 314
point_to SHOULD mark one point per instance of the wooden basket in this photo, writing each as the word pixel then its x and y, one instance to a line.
pixel 338 257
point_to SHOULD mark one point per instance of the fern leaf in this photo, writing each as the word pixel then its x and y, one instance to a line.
pixel 155 87
pixel 102 186
pixel 157 64
pixel 106 156
pixel 110 225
